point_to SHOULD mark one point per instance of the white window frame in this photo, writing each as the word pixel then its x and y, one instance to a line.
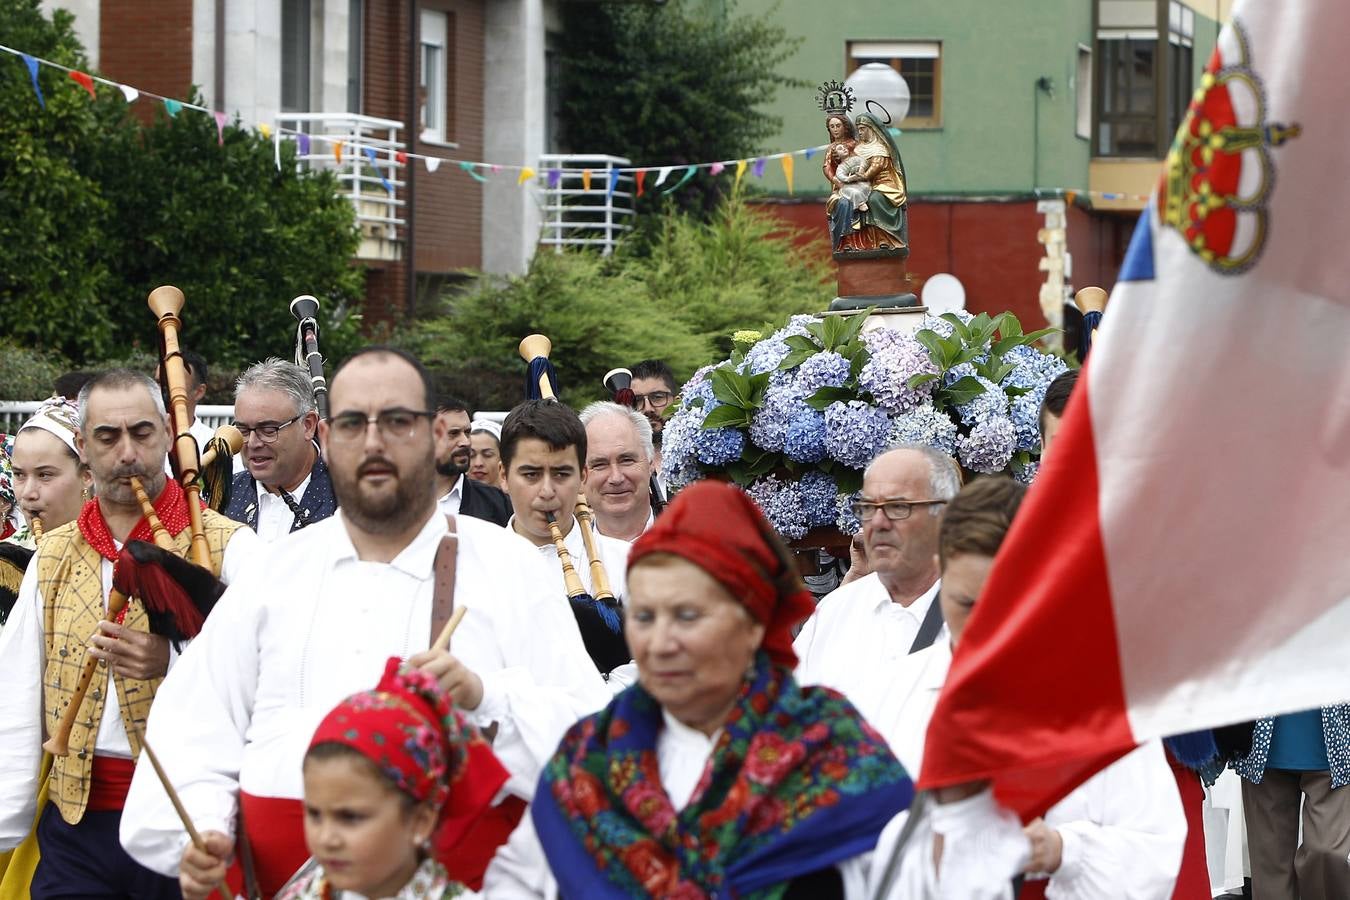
pixel 1083 96
pixel 434 30
pixel 889 52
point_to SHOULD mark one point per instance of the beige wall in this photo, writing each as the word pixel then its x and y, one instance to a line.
pixel 1123 176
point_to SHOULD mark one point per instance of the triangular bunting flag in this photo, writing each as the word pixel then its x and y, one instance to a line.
pixel 468 167
pixel 688 173
pixel 662 175
pixel 265 130
pixel 554 177
pixel 401 158
pixel 640 176
pixel 525 175
pixel 220 128
pixel 276 151
pixel 586 179
pixel 740 170
pixel 758 168
pixel 84 81
pixel 811 151
pixel 129 92
pixel 495 169
pixel 173 108
pixel 302 143
pixel 32 65
pixel 433 163
pixel 788 165
pixel 337 151
pixel 716 168
pixel 613 182
pixel 375 164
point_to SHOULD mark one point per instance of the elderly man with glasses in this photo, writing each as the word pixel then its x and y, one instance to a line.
pixel 285 485
pixel 867 627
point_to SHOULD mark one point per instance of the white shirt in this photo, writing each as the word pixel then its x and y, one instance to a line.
pixel 520 869
pixel 274 516
pixel 312 624
pixel 449 504
pixel 651 520
pixel 1122 830
pixel 856 637
pixel 23 647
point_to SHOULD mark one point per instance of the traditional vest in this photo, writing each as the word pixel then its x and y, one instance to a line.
pixel 70 580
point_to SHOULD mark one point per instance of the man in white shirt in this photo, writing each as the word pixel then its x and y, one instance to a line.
pixel 864 629
pixel 315 621
pixel 543 450
pixel 285 485
pixel 618 469
pixel 62 609
pixel 458 493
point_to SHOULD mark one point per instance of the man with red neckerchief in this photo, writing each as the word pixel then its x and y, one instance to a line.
pixel 61 610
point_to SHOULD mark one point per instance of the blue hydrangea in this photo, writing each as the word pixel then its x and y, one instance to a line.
pixel 989 403
pixel 894 359
pixel 764 356
pixel 956 373
pixel 844 518
pixel 819 498
pixel 718 446
pixel 1025 412
pixel 942 326
pixel 805 438
pixel 926 426
pixel 1026 473
pixel 989 445
pixel 679 464
pixel 1033 369
pixel 781 502
pixel 825 369
pixel 855 432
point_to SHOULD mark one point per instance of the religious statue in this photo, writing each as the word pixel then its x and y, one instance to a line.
pixel 867 208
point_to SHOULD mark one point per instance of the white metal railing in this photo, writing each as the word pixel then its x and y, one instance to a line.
pixel 578 216
pixel 13 413
pixel 379 209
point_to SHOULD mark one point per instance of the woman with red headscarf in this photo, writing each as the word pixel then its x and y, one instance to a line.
pixel 716 774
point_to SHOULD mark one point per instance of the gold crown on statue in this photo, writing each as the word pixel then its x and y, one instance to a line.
pixel 835 98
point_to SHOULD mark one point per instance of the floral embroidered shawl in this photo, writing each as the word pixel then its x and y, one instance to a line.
pixel 798 781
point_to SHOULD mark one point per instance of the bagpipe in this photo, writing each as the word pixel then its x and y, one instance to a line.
pixel 599 616
pixel 305 308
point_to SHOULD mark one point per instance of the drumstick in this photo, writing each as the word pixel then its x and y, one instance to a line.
pixel 178 806
pixel 443 639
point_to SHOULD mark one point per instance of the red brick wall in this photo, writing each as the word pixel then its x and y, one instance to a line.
pixel 148 44
pixel 990 247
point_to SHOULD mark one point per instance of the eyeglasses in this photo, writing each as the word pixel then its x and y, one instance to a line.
pixel 393 423
pixel 895 510
pixel 657 399
pixel 267 432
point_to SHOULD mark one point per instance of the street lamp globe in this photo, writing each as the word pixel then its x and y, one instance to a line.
pixel 882 84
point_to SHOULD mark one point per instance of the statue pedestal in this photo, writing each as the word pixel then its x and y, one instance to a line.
pixel 873 278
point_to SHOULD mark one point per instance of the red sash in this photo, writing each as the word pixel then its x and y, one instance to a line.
pixel 109 781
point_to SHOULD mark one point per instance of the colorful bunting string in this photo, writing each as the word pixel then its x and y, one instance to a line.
pixel 220 128
pixel 32 65
pixel 788 166
pixel 84 81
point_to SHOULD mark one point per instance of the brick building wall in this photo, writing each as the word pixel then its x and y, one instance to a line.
pixel 147 43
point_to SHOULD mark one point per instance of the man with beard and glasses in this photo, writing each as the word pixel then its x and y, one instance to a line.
pixel 62 610
pixel 286 485
pixel 454 453
pixel 315 620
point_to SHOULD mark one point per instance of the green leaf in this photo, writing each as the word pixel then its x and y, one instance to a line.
pixel 856 363
pixel 1003 345
pixel 801 342
pixel 963 390
pixel 1008 325
pixel 827 395
pixel 853 325
pixel 958 327
pixel 796 358
pixel 694 402
pixel 951 349
pixel 724 416
pixel 1014 390
pixel 817 328
pixel 1038 334
pixel 731 387
pixel 850 481
pixel 922 378
pixel 932 341
pixel 759 384
pixel 834 330
pixel 966 355
pixel 739 472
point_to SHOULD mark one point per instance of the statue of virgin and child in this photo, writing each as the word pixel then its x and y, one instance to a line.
pixel 867 208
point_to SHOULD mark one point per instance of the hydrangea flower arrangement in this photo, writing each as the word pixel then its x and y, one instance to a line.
pixel 795 417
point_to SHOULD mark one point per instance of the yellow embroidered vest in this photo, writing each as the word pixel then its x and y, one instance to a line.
pixel 71 582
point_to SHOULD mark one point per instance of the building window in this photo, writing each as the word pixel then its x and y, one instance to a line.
pixel 355 32
pixel 1128 122
pixel 1180 62
pixel 920 62
pixel 435 84
pixel 295 15
pixel 1083 93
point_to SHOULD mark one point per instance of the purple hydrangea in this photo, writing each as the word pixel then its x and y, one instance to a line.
pixel 719 446
pixel 805 438
pixel 895 358
pixel 825 369
pixel 989 403
pixel 819 496
pixel 926 426
pixel 855 432
pixel 989 446
pixel 780 501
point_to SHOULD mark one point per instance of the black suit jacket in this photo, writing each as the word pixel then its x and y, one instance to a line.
pixel 483 501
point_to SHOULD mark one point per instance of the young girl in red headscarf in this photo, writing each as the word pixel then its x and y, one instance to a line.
pixel 387 799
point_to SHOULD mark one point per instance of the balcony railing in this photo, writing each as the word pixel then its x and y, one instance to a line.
pixel 578 216
pixel 379 209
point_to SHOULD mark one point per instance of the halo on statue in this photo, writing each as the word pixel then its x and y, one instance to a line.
pixel 884 110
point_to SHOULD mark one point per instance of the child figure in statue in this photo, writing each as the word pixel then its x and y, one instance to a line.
pixel 849 181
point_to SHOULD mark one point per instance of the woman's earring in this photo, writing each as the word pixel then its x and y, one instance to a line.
pixel 87 494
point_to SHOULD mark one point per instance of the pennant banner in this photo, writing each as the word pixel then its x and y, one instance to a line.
pixel 639 177
pixel 585 179
pixel 84 81
pixel 526 174
pixel 788 165
pixel 554 177
pixel 758 168
pixel 433 163
pixel 662 175
pixel 375 164
pixel 716 168
pixel 173 108
pixel 472 173
pixel 220 128
pixel 740 171
pixel 613 182
pixel 32 65
pixel 684 179
pixel 302 143
pixel 132 94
